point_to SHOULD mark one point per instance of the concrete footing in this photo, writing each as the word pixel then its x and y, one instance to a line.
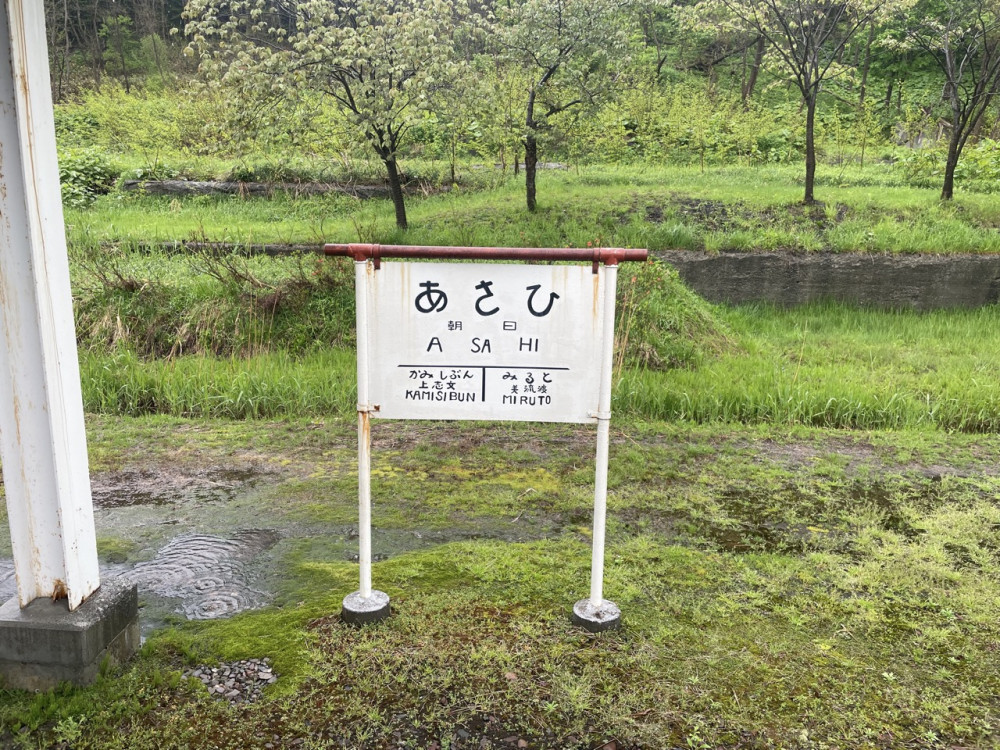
pixel 45 644
pixel 360 611
pixel 597 619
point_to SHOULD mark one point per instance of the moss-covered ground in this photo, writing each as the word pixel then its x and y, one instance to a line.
pixel 781 587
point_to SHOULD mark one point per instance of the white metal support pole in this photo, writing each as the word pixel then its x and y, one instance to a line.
pixel 42 439
pixel 364 432
pixel 597 613
pixel 364 605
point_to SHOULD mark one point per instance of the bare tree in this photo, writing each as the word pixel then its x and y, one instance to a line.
pixel 57 29
pixel 963 38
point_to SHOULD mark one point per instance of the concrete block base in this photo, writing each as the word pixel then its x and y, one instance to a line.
pixel 45 644
pixel 360 611
pixel 596 619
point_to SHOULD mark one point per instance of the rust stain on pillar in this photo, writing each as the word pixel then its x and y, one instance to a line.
pixel 366 424
pixel 59 590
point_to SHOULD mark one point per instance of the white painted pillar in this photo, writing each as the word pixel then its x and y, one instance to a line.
pixel 43 445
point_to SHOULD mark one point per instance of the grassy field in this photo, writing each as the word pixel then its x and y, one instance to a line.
pixel 732 208
pixel 837 366
pixel 269 337
pixel 803 507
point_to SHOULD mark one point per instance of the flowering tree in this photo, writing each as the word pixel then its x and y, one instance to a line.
pixel 809 37
pixel 565 49
pixel 378 61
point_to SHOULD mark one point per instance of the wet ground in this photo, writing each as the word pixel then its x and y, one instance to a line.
pixel 206 524
pixel 204 543
pixel 189 574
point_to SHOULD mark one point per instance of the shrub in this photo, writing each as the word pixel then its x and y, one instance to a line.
pixel 978 168
pixel 85 173
pixel 75 127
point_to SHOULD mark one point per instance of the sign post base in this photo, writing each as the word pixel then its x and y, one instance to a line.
pixel 361 611
pixel 597 619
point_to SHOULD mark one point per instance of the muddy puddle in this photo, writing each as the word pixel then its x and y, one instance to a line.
pixel 209 543
pixel 209 576
pixel 195 576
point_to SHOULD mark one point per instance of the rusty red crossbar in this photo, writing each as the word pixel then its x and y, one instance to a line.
pixel 608 255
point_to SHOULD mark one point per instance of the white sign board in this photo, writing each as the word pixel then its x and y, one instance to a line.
pixel 485 341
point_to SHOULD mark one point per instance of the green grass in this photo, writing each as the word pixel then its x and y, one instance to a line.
pixel 826 364
pixel 684 360
pixel 262 337
pixel 161 305
pixel 727 208
pixel 781 588
pixel 838 366
pixel 784 584
pixel 779 651
pixel 198 386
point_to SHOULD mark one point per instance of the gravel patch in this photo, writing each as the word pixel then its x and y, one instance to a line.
pixel 237 681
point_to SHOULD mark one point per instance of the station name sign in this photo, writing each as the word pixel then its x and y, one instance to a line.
pixel 485 341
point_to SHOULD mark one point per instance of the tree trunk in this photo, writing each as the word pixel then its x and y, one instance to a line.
pixel 954 151
pixel 58 33
pixel 395 190
pixel 751 83
pixel 95 51
pixel 530 167
pixel 530 151
pixel 948 188
pixel 453 157
pixel 158 56
pixel 661 60
pixel 121 56
pixel 866 66
pixel 810 147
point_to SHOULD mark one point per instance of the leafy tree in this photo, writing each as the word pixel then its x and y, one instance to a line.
pixel 867 126
pixel 497 107
pixel 565 49
pixel 122 50
pixel 963 38
pixel 660 30
pixel 378 61
pixel 693 114
pixel 809 37
pixel 155 55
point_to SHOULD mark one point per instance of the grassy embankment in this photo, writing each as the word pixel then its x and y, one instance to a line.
pixel 139 310
pixel 784 585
